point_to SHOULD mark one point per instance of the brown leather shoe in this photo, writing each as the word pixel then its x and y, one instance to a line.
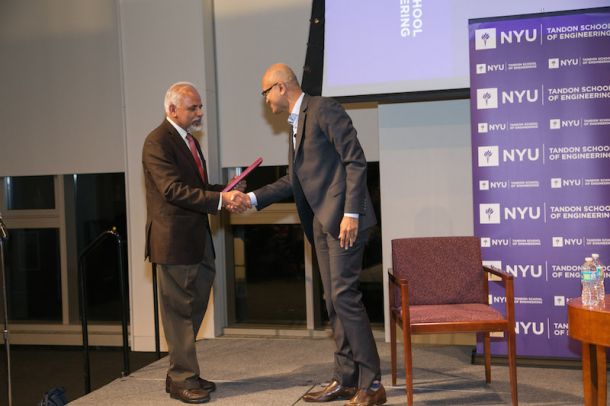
pixel 185 395
pixel 368 397
pixel 204 384
pixel 333 391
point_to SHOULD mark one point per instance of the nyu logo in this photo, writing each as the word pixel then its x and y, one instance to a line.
pixel 534 271
pixel 556 63
pixel 486 185
pixel 487 98
pixel 559 300
pixel 496 299
pixel 485 39
pixel 558 183
pixel 482 68
pixel 520 96
pixel 529 35
pixel 520 154
pixel 489 156
pixel 487 242
pixel 559 242
pixel 529 327
pixel 522 213
pixel 491 213
pixel 483 128
pixel 557 124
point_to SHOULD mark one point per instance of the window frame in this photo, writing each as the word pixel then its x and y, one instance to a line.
pixel 43 218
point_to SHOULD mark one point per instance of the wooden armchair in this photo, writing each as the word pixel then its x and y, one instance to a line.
pixel 439 285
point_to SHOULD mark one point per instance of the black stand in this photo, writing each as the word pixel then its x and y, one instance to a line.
pixel 82 281
pixel 3 238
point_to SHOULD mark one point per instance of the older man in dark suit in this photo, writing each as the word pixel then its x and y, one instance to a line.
pixel 327 177
pixel 178 239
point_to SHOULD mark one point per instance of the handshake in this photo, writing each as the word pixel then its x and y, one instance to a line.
pixel 236 201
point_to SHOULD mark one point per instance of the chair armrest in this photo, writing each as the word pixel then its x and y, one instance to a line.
pixel 403 287
pixel 397 281
pixel 507 280
pixel 498 272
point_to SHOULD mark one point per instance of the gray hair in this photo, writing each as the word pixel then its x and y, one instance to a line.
pixel 175 92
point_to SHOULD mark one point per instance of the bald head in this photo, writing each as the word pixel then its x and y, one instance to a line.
pixel 280 72
pixel 280 88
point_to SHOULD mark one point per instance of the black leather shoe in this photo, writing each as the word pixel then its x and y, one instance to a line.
pixel 203 384
pixel 368 397
pixel 196 395
pixel 333 391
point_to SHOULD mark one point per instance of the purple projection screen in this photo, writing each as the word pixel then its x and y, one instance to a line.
pixel 540 111
pixel 383 47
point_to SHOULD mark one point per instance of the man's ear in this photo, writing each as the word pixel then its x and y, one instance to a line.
pixel 172 110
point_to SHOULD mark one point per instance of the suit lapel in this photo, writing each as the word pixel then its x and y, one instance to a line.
pixel 183 149
pixel 290 146
pixel 301 126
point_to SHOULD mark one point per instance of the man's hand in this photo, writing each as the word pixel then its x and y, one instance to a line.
pixel 235 201
pixel 348 232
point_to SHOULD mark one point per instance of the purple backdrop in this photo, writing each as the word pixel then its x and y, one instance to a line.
pixel 540 111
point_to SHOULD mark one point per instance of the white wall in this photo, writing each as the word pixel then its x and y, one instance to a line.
pixel 60 109
pixel 426 172
pixel 162 43
pixel 251 35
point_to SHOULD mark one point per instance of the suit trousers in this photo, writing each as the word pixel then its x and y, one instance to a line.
pixel 184 293
pixel 356 357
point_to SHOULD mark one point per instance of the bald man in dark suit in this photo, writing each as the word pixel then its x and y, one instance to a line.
pixel 179 198
pixel 327 177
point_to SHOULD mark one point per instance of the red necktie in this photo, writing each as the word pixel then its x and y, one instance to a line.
pixel 195 154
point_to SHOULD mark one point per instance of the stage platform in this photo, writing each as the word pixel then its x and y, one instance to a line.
pixel 278 371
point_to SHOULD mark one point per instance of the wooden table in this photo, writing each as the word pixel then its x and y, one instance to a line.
pixel 591 325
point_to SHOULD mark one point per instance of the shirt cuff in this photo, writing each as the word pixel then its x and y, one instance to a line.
pixel 352 215
pixel 253 201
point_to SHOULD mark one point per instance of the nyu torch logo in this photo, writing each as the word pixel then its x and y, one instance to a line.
pixel 485 39
pixel 489 155
pixel 489 213
pixel 487 98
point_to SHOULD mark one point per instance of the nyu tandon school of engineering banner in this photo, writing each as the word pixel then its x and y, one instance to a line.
pixel 540 111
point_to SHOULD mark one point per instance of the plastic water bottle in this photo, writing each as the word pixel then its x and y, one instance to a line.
pixel 587 277
pixel 600 289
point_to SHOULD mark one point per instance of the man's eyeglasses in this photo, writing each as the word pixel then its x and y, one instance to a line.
pixel 267 90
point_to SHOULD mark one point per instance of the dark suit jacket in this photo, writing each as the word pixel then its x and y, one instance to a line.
pixel 327 171
pixel 177 199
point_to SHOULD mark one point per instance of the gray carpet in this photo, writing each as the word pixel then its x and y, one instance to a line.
pixel 274 371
